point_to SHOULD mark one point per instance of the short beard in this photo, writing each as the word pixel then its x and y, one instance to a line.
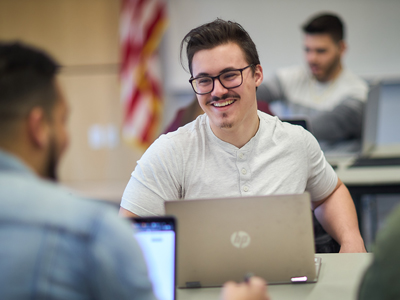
pixel 230 94
pixel 225 125
pixel 330 70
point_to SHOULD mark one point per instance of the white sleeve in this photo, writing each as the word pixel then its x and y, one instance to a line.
pixel 322 179
pixel 156 178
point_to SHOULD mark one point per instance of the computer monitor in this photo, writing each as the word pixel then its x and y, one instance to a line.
pixel 157 238
pixel 389 113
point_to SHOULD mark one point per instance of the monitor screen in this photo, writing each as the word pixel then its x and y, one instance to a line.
pixel 389 107
pixel 157 238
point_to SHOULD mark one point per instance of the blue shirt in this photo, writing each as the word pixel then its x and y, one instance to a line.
pixel 54 245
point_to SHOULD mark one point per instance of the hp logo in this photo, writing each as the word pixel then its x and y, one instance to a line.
pixel 240 239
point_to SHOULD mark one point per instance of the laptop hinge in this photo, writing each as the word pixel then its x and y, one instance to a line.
pixel 193 284
pixel 299 279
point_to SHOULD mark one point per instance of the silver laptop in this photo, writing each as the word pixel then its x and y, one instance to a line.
pixel 381 136
pixel 357 148
pixel 224 239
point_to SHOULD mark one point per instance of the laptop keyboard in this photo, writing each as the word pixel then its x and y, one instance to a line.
pixel 376 162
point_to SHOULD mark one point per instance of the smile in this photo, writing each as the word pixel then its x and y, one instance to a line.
pixel 224 103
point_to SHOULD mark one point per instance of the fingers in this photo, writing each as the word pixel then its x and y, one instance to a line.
pixel 254 289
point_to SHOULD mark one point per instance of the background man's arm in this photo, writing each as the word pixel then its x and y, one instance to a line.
pixel 337 214
pixel 343 122
pixel 270 90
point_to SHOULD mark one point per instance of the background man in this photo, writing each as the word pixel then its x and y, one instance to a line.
pixel 331 96
pixel 233 149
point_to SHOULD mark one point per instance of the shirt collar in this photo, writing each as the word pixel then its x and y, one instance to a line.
pixel 10 162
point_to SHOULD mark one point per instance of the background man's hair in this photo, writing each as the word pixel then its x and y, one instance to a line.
pixel 27 79
pixel 326 23
pixel 216 33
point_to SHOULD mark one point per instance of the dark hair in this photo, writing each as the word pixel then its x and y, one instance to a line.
pixel 26 80
pixel 326 23
pixel 216 33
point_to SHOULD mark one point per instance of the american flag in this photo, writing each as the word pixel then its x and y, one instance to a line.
pixel 142 25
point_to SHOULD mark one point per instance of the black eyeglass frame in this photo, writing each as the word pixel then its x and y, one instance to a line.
pixel 218 77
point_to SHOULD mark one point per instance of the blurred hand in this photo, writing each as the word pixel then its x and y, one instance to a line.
pixel 254 289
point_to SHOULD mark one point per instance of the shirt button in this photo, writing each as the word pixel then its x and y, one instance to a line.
pixel 244 171
pixel 246 188
pixel 241 155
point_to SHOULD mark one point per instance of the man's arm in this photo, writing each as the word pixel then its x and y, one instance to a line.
pixel 337 214
pixel 379 279
pixel 343 122
pixel 126 213
pixel 156 178
pixel 270 90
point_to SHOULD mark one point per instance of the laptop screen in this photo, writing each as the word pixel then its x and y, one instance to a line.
pixel 157 238
pixel 389 108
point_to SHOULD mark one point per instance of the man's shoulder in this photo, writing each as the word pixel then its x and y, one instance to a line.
pixel 352 85
pixel 192 130
pixel 41 203
pixel 352 79
pixel 292 75
pixel 297 71
pixel 280 130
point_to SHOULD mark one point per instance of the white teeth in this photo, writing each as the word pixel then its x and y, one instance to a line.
pixel 221 104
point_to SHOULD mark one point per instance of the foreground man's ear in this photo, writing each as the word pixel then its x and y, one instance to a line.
pixel 38 128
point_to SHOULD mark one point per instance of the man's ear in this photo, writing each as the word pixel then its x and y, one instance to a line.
pixel 258 75
pixel 38 128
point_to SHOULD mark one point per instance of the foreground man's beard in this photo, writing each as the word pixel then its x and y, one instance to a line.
pixel 52 161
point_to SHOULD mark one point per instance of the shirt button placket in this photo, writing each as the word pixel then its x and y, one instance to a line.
pixel 243 172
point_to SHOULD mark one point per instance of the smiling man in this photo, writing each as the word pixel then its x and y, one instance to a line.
pixel 330 96
pixel 227 98
pixel 233 149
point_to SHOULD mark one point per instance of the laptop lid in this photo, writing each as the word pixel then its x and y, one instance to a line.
pixel 355 148
pixel 224 239
pixel 381 137
pixel 157 238
pixel 389 108
pixel 370 121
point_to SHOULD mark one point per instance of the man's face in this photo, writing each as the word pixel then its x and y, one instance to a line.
pixel 58 135
pixel 323 55
pixel 228 109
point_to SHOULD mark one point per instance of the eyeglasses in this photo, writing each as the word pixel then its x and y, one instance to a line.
pixel 230 79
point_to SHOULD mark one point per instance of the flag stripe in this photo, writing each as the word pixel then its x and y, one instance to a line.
pixel 143 23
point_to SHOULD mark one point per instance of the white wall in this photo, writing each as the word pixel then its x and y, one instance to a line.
pixel 373 34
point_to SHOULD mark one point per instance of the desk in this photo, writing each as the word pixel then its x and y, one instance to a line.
pixel 362 181
pixel 339 278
